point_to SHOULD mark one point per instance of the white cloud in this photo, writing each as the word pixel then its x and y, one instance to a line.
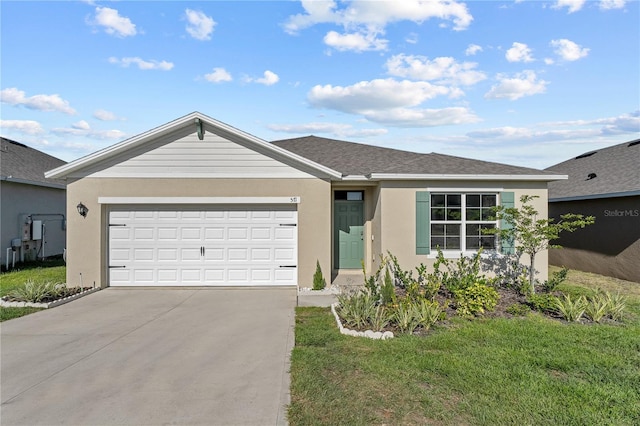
pixel 442 69
pixel 626 123
pixel 336 129
pixel 612 4
pixel 142 64
pixel 269 78
pixel 104 115
pixel 519 52
pixel 412 38
pixel 13 96
pixel 218 75
pixel 359 41
pixel 113 23
pixel 568 50
pixel 472 49
pixel 522 84
pixel 81 125
pixel 391 102
pixel 571 5
pixel 379 94
pixel 82 128
pixel 28 127
pixel 410 117
pixel 377 14
pixel 200 26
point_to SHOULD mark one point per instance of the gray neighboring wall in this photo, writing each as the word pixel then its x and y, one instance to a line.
pixel 604 183
pixel 24 191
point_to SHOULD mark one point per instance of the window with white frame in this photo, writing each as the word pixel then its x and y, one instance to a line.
pixel 457 221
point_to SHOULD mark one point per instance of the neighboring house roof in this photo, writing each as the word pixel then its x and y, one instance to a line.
pixel 353 159
pixel 22 164
pixel 603 173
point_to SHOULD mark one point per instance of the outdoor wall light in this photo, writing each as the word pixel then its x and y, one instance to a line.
pixel 82 209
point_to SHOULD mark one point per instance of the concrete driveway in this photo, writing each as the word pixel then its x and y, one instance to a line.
pixel 151 357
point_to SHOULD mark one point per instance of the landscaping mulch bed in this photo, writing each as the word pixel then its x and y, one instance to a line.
pixel 70 291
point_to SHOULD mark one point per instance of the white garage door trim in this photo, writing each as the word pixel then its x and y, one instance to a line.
pixel 212 245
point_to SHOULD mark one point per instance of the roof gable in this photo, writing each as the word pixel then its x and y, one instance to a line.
pixel 22 164
pixel 612 171
pixel 175 149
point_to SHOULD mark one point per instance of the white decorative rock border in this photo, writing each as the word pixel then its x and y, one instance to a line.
pixel 48 305
pixel 369 333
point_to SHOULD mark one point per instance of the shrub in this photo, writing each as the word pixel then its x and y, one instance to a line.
pixel 34 292
pixel 427 313
pixel 404 317
pixel 570 310
pixel 356 309
pixel 319 282
pixel 476 299
pixel 615 306
pixel 556 279
pixel 518 309
pixel 541 302
pixel 597 307
pixel 380 318
pixel 387 291
pixel 460 275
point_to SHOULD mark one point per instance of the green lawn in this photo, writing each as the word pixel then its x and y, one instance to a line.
pixel 531 370
pixel 48 271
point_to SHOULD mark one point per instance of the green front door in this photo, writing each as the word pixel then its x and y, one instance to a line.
pixel 348 234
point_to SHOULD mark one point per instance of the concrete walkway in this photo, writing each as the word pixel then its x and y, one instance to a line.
pixel 151 357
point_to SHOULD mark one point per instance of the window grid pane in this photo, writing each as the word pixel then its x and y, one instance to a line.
pixel 460 218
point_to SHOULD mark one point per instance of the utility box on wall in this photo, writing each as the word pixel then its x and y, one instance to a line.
pixel 36 230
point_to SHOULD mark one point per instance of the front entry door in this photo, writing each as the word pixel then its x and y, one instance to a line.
pixel 348 234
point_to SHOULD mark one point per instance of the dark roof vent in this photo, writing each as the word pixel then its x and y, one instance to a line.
pixel 588 154
pixel 634 143
pixel 591 176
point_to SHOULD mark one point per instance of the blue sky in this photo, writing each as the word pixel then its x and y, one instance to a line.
pixel 529 83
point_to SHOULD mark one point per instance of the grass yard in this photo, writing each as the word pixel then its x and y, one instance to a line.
pixel 532 370
pixel 48 271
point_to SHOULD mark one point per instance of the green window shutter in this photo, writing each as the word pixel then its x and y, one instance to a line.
pixel 423 198
pixel 507 201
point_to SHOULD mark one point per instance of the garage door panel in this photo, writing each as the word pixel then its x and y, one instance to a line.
pixel 172 247
pixel 146 254
pixel 191 234
pixel 214 234
pixel 191 254
pixel 168 234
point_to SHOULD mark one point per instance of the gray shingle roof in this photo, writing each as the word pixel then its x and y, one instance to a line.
pixel 600 173
pixel 19 162
pixel 351 158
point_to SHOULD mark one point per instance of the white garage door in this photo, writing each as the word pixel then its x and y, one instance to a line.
pixel 203 247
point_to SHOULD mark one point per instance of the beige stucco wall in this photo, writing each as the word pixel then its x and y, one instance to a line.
pixel 87 237
pixel 396 219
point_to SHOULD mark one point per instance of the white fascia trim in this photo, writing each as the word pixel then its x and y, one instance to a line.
pixel 159 131
pixel 399 176
pixel 199 200
pixel 34 183
pixel 357 178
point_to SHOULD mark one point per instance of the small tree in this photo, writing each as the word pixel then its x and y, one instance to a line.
pixel 319 282
pixel 531 234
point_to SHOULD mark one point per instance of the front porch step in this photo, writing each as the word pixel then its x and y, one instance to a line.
pixel 347 279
